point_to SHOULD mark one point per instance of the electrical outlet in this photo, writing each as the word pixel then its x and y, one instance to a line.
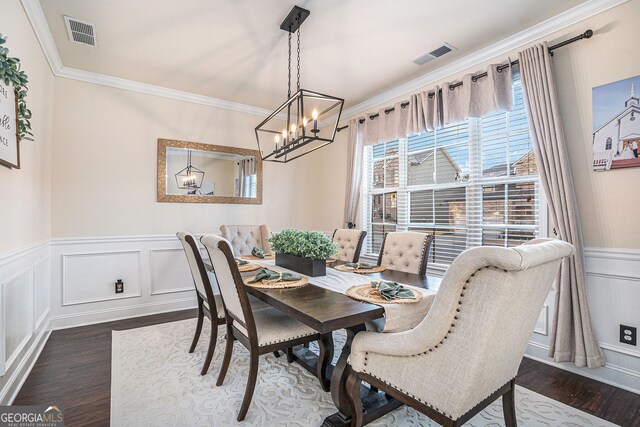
pixel 628 335
pixel 119 286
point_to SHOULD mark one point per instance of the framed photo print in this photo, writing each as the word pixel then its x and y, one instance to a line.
pixel 9 140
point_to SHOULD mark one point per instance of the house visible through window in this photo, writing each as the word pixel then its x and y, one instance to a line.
pixel 469 184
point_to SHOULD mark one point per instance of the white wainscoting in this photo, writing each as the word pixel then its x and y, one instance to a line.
pixel 24 312
pixel 84 271
pixel 613 293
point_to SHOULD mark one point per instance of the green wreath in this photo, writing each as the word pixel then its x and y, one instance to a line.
pixel 11 74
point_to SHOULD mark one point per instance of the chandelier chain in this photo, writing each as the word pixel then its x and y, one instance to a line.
pixel 289 81
pixel 298 58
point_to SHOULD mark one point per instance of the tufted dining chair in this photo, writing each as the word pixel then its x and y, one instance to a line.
pixel 209 304
pixel 349 243
pixel 260 331
pixel 244 238
pixel 405 251
pixel 466 352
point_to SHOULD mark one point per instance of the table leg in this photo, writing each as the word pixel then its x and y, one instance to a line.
pixel 339 380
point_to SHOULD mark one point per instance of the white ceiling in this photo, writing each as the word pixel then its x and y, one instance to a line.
pixel 234 50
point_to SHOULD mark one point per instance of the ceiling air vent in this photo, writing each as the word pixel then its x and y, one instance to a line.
pixel 80 31
pixel 436 53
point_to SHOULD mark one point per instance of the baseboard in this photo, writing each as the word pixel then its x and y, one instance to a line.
pixel 93 317
pixel 19 376
pixel 626 379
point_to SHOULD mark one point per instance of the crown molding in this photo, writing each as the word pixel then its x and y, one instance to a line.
pixel 531 34
pixel 572 16
pixel 38 21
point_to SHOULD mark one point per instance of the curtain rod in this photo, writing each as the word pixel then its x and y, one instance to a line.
pixel 586 35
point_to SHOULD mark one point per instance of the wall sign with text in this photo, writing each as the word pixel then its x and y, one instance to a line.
pixel 9 149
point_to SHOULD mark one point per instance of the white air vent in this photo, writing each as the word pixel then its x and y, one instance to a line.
pixel 436 53
pixel 80 31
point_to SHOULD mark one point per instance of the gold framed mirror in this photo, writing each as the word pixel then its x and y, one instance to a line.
pixel 192 172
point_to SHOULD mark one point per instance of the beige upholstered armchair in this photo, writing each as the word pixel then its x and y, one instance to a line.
pixel 244 238
pixel 467 350
pixel 349 243
pixel 405 251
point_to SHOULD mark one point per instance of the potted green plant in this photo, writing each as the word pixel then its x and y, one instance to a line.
pixel 303 251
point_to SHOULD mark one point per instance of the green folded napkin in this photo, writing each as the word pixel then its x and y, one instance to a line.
pixel 265 274
pixel 257 252
pixel 241 261
pixel 361 265
pixel 392 290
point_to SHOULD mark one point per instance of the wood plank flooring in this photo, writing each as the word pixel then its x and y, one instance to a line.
pixel 74 371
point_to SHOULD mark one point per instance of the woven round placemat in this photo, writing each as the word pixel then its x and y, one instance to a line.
pixel 332 259
pixel 255 258
pixel 344 268
pixel 248 267
pixel 277 285
pixel 367 294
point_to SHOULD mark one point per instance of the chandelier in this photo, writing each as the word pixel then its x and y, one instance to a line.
pixel 306 121
pixel 189 178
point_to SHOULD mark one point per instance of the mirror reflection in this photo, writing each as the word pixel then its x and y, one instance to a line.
pixel 209 173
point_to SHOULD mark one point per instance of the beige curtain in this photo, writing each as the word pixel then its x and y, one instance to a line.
pixel 572 336
pixel 425 112
pixel 246 167
pixel 354 171
pixel 478 98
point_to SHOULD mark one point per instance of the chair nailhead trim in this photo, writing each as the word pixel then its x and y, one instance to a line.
pixel 288 339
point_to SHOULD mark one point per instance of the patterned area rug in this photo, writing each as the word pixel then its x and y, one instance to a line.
pixel 156 382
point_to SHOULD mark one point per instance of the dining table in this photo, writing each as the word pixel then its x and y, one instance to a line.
pixel 323 305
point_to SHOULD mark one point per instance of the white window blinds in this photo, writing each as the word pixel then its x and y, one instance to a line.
pixel 470 184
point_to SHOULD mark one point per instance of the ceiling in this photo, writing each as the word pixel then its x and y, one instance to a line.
pixel 234 50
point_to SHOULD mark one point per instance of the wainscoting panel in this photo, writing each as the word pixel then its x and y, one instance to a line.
pixel 91 277
pixel 613 294
pixel 169 271
pixel 542 325
pixel 18 315
pixel 25 278
pixel 41 291
pixel 84 271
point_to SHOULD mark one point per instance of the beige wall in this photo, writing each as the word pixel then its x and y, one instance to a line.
pixel 104 167
pixel 25 194
pixel 609 202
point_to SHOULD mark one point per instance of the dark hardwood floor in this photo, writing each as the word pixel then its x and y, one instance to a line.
pixel 74 371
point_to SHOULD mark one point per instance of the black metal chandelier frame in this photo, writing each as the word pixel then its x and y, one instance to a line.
pixel 195 176
pixel 298 122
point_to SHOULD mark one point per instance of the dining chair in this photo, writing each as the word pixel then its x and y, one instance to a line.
pixel 349 243
pixel 466 352
pixel 244 238
pixel 405 251
pixel 260 331
pixel 208 302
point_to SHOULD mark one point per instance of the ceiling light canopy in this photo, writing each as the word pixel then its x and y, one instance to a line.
pixel 306 121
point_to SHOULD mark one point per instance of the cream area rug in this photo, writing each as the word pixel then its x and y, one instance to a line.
pixel 156 382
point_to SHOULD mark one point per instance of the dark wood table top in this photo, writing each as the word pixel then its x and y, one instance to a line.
pixel 326 310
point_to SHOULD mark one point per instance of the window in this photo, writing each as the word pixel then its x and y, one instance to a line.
pixel 608 144
pixel 469 184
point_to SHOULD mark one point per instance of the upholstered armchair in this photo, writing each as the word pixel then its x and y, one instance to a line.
pixel 349 243
pixel 405 251
pixel 244 238
pixel 466 352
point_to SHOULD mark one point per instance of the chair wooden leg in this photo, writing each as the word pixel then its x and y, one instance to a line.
pixel 290 355
pixel 355 401
pixel 196 337
pixel 326 356
pixel 228 350
pixel 509 406
pixel 251 384
pixel 212 346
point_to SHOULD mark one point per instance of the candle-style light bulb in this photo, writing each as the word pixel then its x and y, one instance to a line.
pixel 277 139
pixel 284 137
pixel 293 131
pixel 314 116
